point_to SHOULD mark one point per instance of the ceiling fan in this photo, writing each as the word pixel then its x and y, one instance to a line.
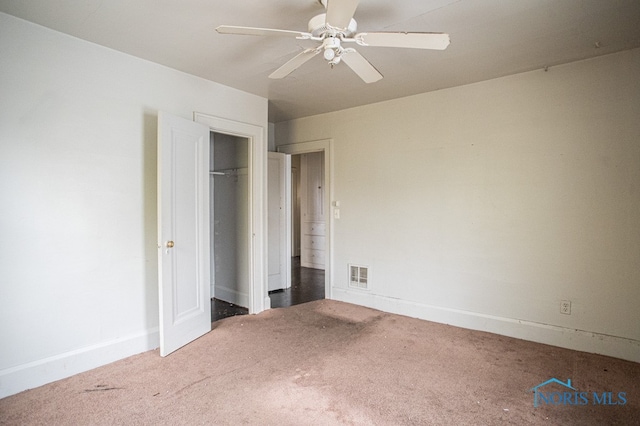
pixel 335 28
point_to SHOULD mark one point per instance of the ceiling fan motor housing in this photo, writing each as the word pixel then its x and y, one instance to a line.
pixel 318 27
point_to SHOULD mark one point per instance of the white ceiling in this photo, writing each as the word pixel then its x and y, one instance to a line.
pixel 489 39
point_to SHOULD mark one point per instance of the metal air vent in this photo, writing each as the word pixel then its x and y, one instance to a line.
pixel 359 276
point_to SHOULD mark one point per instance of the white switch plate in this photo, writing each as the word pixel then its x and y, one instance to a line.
pixel 336 213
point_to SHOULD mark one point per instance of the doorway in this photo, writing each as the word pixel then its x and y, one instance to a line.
pixel 311 218
pixel 306 241
pixel 319 221
pixel 257 149
pixel 230 241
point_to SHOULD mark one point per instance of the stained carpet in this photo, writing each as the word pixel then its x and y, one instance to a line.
pixel 332 363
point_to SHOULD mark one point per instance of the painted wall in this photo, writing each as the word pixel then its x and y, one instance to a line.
pixel 78 281
pixel 485 206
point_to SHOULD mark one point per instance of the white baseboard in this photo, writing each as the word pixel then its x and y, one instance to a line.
pixel 30 375
pixel 232 296
pixel 580 340
pixel 37 373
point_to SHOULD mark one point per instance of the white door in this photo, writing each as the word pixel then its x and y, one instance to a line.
pixel 183 231
pixel 279 214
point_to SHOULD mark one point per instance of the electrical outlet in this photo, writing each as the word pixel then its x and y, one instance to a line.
pixel 565 307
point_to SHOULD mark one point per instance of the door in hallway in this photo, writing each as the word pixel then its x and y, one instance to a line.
pixel 279 218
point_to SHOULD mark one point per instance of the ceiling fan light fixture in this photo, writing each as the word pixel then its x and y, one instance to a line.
pixel 331 47
pixel 329 53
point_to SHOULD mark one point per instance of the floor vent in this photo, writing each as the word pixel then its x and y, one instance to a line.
pixel 359 277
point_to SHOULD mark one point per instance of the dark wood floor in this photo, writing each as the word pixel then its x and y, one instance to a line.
pixel 307 285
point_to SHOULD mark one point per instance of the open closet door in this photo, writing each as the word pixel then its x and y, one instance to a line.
pixel 183 231
pixel 279 217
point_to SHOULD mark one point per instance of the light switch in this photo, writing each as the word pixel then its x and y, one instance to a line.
pixel 336 213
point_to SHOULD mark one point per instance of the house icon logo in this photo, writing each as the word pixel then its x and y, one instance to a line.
pixel 546 397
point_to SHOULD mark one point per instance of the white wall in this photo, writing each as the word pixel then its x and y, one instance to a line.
pixel 486 205
pixel 78 262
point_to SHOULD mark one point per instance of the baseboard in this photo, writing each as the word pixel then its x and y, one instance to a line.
pixel 580 340
pixel 33 374
pixel 232 296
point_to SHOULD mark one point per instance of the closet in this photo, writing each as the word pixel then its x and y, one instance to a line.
pixel 229 208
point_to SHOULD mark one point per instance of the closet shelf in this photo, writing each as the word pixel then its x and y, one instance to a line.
pixel 230 172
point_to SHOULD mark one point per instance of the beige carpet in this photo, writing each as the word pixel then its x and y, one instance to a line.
pixel 325 363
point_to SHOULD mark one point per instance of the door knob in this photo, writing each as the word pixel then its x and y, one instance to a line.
pixel 169 244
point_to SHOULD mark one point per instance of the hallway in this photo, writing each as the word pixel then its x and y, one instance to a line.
pixel 307 285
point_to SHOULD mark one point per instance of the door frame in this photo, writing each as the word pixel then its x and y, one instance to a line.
pixel 325 146
pixel 258 295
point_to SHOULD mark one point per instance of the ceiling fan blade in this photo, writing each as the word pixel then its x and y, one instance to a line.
pixel 437 41
pixel 361 66
pixel 340 12
pixel 294 63
pixel 230 29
